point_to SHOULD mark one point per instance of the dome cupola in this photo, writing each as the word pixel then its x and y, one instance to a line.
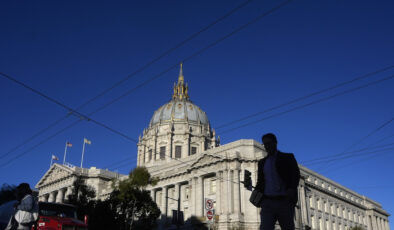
pixel 178 129
pixel 179 107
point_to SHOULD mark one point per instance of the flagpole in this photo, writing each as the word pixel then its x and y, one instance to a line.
pixel 65 152
pixel 83 151
pixel 51 161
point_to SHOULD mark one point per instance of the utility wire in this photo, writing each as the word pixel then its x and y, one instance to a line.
pixel 367 158
pixel 71 110
pixel 355 152
pixel 167 52
pixel 147 65
pixel 119 162
pixel 306 96
pixel 356 143
pixel 74 112
pixel 308 104
pixel 38 144
pixel 347 156
pixel 195 54
pixel 336 86
pixel 331 162
pixel 351 154
pixel 131 139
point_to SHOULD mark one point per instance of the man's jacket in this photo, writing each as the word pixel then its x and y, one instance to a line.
pixel 288 171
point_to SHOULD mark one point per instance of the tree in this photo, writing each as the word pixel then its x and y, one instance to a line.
pixel 7 193
pixel 103 216
pixel 82 197
pixel 136 209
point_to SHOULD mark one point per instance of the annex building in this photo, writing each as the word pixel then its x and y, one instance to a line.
pixel 180 147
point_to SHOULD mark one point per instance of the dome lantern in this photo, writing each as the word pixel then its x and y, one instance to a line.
pixel 181 89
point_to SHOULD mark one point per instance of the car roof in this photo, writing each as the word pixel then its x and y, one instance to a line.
pixel 56 204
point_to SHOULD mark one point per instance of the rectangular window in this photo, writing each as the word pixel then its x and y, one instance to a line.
pixel 150 154
pixel 178 151
pixel 194 150
pixel 162 152
pixel 213 186
pixel 187 193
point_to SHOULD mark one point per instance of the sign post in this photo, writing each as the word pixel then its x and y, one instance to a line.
pixel 210 212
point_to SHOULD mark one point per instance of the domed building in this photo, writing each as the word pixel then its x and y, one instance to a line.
pixel 180 148
pixel 177 130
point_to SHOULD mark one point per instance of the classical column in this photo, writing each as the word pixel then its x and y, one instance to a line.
pixel 224 191
pixel 230 192
pixel 302 203
pixel 164 202
pixel 177 195
pixel 374 224
pixel 200 196
pixel 155 150
pixel 152 194
pixel 236 184
pixel 51 197
pixel 68 193
pixel 59 196
pixel 386 224
pixel 192 187
pixel 381 224
pixel 378 222
pixel 168 148
pixel 218 192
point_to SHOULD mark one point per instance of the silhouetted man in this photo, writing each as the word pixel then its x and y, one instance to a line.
pixel 278 178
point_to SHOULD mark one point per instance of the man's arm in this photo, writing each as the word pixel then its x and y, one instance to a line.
pixel 259 176
pixel 294 177
pixel 295 172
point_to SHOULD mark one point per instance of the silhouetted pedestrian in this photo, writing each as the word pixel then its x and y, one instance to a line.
pixel 278 178
pixel 23 219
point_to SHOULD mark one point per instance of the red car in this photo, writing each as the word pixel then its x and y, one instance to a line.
pixel 58 216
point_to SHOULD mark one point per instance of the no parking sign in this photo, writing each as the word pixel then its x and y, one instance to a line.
pixel 208 204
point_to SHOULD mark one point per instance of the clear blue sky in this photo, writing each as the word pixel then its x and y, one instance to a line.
pixel 73 50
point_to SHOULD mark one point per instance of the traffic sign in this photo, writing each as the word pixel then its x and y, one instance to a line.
pixel 210 214
pixel 208 204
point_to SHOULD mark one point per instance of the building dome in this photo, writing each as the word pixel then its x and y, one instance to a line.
pixel 179 110
pixel 178 129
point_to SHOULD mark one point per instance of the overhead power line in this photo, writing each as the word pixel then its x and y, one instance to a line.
pixel 128 77
pixel 307 96
pixel 383 152
pixel 354 144
pixel 75 112
pixel 309 104
pixel 353 154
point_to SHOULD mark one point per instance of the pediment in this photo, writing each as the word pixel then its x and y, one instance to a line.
pixel 55 173
pixel 205 159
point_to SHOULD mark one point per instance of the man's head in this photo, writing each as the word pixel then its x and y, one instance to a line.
pixel 270 143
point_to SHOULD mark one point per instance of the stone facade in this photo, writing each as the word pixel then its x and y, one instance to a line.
pixel 181 149
pixel 56 184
